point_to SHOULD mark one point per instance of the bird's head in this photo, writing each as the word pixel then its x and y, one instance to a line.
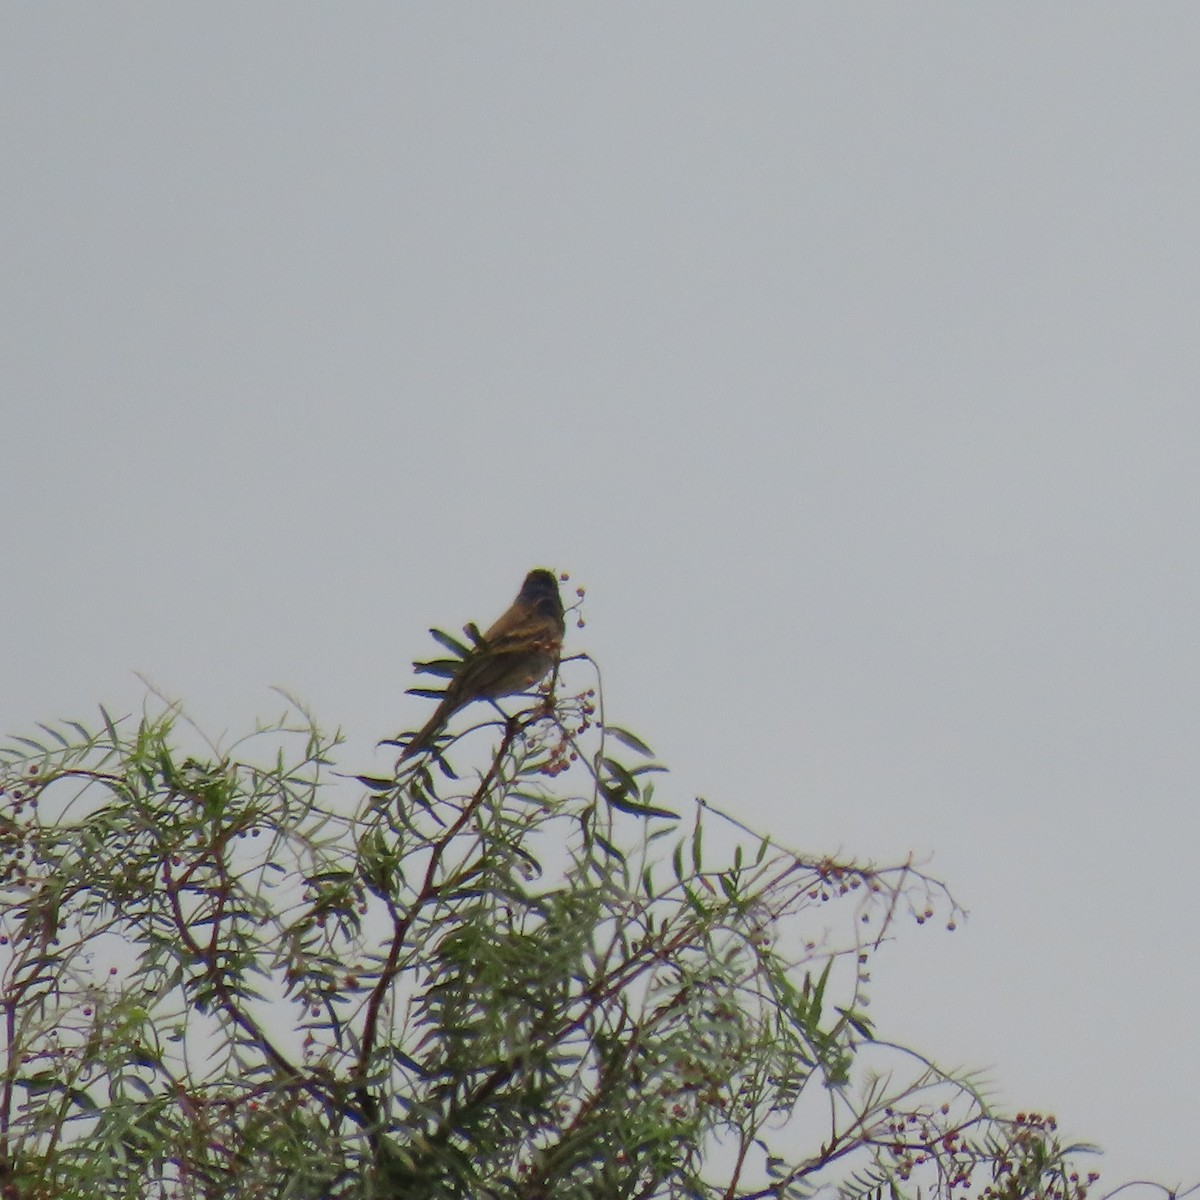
pixel 540 592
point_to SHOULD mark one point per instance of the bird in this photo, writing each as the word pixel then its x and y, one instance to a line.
pixel 512 656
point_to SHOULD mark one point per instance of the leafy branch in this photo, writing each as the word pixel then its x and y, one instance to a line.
pixel 240 972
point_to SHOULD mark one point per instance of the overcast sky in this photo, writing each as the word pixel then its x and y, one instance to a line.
pixel 847 354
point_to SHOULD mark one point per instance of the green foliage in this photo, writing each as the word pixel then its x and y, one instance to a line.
pixel 238 973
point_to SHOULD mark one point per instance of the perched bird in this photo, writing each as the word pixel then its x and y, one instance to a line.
pixel 514 654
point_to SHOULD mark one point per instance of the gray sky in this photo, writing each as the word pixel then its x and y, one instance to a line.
pixel 847 354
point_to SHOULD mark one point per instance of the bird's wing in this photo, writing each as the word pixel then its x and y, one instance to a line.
pixel 521 629
pixel 513 617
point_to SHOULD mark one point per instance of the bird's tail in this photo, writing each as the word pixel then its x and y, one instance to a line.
pixel 424 738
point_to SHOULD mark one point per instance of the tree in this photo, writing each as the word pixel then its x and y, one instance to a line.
pixel 237 972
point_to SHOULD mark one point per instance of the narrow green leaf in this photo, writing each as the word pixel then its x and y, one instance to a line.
pixel 621 774
pixel 452 644
pixel 408 1062
pixel 81 1099
pixel 628 739
pixel 376 782
pixel 818 996
pixel 58 737
pixel 609 848
pixel 647 769
pixel 444 668
pixel 41 1081
pixel 110 726
pixel 131 1080
pixel 859 1023
pixel 618 801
